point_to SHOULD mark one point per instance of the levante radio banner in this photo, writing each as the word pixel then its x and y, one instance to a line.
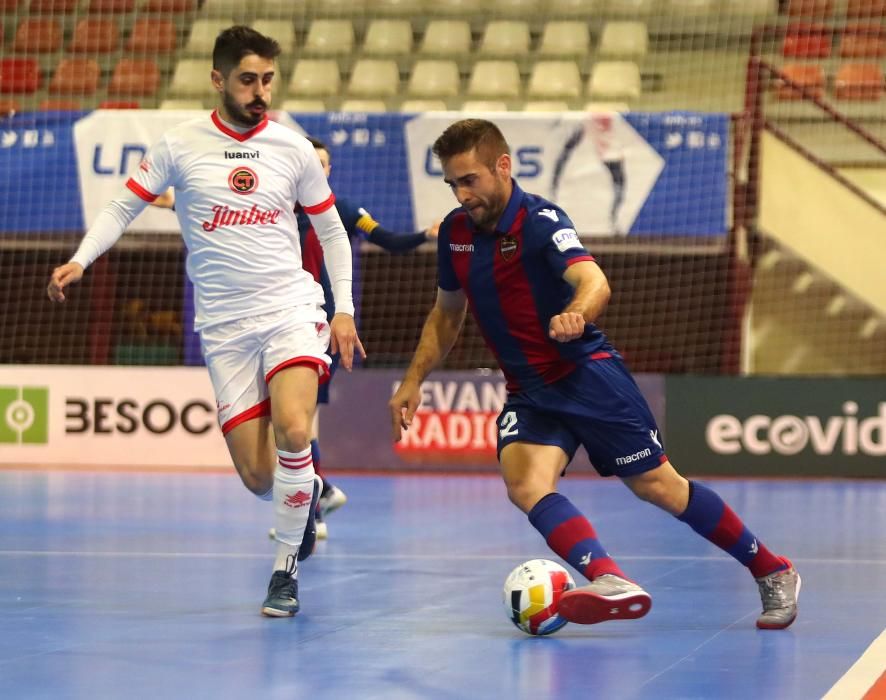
pixel 614 174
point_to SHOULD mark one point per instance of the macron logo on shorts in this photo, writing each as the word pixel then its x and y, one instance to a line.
pixel 636 457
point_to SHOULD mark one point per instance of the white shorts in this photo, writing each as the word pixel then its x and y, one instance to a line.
pixel 243 355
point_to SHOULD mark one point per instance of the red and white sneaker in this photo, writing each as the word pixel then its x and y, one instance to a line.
pixel 607 597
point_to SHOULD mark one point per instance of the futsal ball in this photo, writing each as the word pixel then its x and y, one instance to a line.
pixel 532 595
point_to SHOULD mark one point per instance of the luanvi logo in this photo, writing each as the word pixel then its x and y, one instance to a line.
pixel 846 434
pixel 24 415
pixel 241 155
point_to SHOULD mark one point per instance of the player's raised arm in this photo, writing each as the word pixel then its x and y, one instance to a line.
pixel 438 335
pixel 590 298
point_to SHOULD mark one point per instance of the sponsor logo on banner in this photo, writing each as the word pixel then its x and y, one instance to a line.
pixel 456 422
pixel 24 418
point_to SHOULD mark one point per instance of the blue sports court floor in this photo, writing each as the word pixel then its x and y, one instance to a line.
pixel 148 585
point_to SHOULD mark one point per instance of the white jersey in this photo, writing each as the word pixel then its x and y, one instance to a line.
pixel 235 195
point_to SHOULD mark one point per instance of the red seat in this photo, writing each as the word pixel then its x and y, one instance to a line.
pixel 152 36
pixel 859 81
pixel 37 36
pixel 134 77
pixel 118 104
pixel 806 41
pixel 19 75
pixel 111 7
pixel 9 5
pixel 49 105
pixel 75 76
pixel 9 107
pixel 863 41
pixel 807 75
pixel 814 9
pixel 170 6
pixel 53 7
pixel 95 36
pixel 866 9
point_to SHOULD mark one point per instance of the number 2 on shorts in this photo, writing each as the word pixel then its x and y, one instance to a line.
pixel 508 425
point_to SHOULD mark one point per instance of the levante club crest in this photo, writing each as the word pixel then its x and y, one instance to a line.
pixel 508 247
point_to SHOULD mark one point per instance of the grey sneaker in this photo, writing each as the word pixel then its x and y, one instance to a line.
pixel 607 597
pixel 282 599
pixel 779 592
pixel 331 499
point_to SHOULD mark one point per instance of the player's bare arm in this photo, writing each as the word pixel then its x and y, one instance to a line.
pixel 344 339
pixel 591 296
pixel 441 330
pixel 62 276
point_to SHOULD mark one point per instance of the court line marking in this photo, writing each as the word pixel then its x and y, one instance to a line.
pixel 866 678
pixel 388 555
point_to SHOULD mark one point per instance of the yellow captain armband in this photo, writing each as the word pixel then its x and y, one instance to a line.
pixel 366 223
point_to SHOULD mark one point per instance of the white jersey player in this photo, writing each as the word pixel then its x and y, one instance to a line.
pixel 263 331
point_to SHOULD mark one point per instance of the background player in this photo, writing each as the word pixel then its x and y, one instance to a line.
pixel 262 327
pixel 517 261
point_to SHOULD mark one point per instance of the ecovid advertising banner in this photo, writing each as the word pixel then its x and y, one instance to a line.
pixel 633 174
pixel 122 416
pixel 777 427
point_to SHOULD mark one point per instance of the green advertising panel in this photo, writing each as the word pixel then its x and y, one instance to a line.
pixel 776 427
pixel 24 416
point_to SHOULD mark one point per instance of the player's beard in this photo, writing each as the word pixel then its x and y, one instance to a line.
pixel 493 208
pixel 240 114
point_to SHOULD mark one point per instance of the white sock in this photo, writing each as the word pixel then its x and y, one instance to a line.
pixel 293 491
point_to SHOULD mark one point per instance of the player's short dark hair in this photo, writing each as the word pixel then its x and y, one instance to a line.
pixel 317 144
pixel 468 134
pixel 233 43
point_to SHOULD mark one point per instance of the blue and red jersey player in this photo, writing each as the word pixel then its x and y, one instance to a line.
pixel 515 260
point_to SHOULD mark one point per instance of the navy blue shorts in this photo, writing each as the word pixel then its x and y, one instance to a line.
pixel 323 391
pixel 598 406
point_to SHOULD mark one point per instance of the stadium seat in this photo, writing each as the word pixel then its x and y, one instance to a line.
pixel 95 36
pixel 10 6
pixel 691 8
pixel 434 79
pixel 203 34
pixel 174 6
pixel 138 77
pixel 363 106
pixel 866 9
pixel 447 37
pixel 624 39
pixel 491 79
pixel 514 8
pixel 315 78
pixel 750 8
pixel 573 8
pixel 58 105
pixel 505 38
pixel 554 79
pixel 327 8
pixel 545 106
pixel 859 81
pixel 617 80
pixel 806 41
pixel 418 106
pixel 565 38
pixel 400 8
pixel 807 75
pixel 110 7
pixel 191 77
pixel 181 104
pixel 75 76
pixel 330 36
pixel 19 75
pixel 455 8
pixel 303 106
pixel 283 32
pixel 628 8
pixel 225 9
pixel 374 78
pixel 484 106
pixel 811 9
pixel 388 37
pixel 863 41
pixel 53 7
pixel 37 36
pixel 119 104
pixel 152 36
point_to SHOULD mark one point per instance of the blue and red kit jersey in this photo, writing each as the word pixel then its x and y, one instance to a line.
pixel 513 280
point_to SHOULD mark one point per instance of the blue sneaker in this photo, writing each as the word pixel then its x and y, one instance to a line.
pixel 282 598
pixel 309 539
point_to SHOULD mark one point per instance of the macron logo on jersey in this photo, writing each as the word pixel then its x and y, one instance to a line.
pixel 461 247
pixel 224 216
pixel 550 213
pixel 565 239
